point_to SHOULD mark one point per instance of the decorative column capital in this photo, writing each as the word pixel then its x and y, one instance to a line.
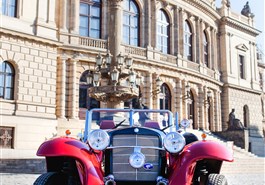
pixel 115 2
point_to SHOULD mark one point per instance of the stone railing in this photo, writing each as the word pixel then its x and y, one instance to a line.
pixel 241 18
pixel 192 65
pixel 91 42
pixel 168 58
pixel 135 50
pixel 210 72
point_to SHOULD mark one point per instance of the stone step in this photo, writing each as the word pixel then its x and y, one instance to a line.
pixel 244 161
pixel 238 152
pixel 22 166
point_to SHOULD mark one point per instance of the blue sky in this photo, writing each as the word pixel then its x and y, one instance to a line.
pixel 257 7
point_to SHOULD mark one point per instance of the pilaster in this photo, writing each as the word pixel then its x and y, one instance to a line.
pixel 178 95
pixel 201 106
pixel 73 92
pixel 61 88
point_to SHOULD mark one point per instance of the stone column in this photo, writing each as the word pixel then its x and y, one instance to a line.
pixel 148 23
pixel 206 108
pixel 212 47
pixel 74 16
pixel 149 84
pixel 180 36
pixel 63 15
pixel 115 29
pixel 197 41
pixel 184 101
pixel 216 125
pixel 51 12
pixel 197 44
pixel 42 11
pixel 179 99
pixel 215 46
pixel 201 106
pixel 73 90
pixel 218 111
pixel 254 63
pixel 176 31
pixel 61 88
pixel 155 96
pixel 153 23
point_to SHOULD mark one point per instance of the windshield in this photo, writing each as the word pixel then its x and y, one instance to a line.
pixel 120 118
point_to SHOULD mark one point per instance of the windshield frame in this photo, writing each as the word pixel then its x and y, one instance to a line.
pixel 88 121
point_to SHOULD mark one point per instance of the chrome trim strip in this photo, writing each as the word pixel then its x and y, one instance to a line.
pixel 142 147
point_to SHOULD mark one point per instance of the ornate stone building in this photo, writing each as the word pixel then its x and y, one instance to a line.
pixel 49 47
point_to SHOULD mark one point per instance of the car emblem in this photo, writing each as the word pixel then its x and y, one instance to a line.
pixel 148 166
pixel 136 130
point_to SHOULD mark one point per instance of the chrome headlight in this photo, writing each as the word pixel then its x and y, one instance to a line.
pixel 174 142
pixel 137 160
pixel 98 139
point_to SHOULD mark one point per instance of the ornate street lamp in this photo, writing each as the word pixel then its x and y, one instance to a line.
pixel 207 101
pixel 187 96
pixel 114 81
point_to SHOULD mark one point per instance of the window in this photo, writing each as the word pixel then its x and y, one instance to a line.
pixel 9 8
pixel 86 102
pixel 89 18
pixel 187 41
pixel 261 81
pixel 191 110
pixel 241 66
pixel 205 49
pixel 7 74
pixel 165 99
pixel 162 32
pixel 130 23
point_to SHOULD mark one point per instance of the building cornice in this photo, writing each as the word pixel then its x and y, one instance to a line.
pixel 205 8
pixel 29 37
pixel 226 85
pixel 239 25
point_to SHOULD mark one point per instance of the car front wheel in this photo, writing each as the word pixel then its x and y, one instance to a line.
pixel 51 178
pixel 216 179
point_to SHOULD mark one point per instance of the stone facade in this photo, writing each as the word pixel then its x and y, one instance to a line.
pixel 49 57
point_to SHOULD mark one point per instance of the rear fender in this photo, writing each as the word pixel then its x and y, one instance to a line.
pixel 182 166
pixel 87 162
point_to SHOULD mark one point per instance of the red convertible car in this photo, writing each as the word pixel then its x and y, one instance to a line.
pixel 118 148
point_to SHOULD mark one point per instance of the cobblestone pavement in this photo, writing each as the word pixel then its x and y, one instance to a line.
pixel 233 179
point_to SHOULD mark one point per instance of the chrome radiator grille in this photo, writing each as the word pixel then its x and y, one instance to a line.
pixel 121 168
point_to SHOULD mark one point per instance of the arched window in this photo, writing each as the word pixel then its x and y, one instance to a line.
pixel 90 18
pixel 9 8
pixel 86 102
pixel 162 31
pixel 165 99
pixel 131 23
pixel 187 41
pixel 191 108
pixel 7 75
pixel 205 49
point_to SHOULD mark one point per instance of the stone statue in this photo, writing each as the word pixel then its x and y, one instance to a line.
pixel 234 123
pixel 232 117
pixel 246 11
pixel 226 3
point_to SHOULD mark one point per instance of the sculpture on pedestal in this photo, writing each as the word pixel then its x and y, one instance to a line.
pixel 234 123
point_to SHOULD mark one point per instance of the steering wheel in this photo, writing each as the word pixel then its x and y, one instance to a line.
pixel 119 124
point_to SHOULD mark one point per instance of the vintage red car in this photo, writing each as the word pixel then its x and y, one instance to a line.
pixel 116 149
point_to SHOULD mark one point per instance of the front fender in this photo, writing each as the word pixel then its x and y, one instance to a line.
pixel 182 166
pixel 66 146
